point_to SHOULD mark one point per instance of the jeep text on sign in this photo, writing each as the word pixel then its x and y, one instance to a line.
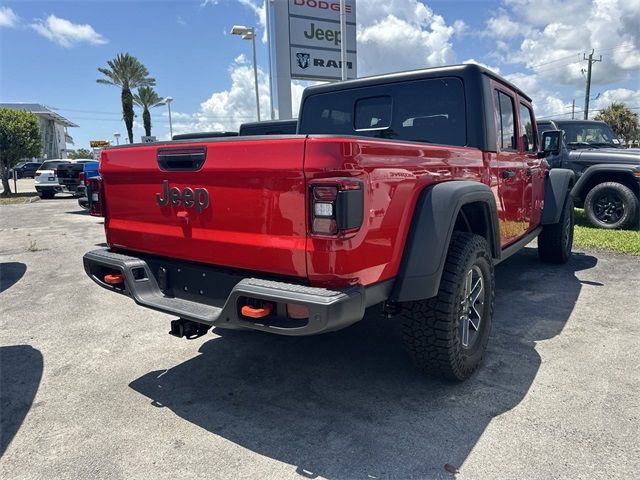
pixel 315 39
pixel 319 33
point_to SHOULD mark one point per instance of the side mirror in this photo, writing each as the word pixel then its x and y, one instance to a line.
pixel 551 142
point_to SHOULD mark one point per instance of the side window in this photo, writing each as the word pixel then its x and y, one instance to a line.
pixel 505 122
pixel 527 132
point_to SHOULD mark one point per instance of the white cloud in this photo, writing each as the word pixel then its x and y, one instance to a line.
pixel 503 27
pixel 67 34
pixel 545 102
pixel 227 109
pixel 631 98
pixel 550 36
pixel 8 18
pixel 401 35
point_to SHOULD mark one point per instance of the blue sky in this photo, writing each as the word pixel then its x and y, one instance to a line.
pixel 186 47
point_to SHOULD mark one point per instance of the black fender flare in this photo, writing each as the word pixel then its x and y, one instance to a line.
pixel 434 218
pixel 577 191
pixel 557 185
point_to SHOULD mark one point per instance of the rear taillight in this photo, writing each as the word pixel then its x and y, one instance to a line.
pixel 55 172
pixel 336 206
pixel 95 196
pixel 81 178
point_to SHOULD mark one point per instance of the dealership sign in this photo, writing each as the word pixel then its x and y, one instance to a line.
pixel 315 39
pixel 305 43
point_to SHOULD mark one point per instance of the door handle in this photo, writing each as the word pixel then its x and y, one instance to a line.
pixel 508 174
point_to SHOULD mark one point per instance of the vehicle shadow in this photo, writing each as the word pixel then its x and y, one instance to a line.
pixel 10 274
pixel 19 380
pixel 79 212
pixel 350 404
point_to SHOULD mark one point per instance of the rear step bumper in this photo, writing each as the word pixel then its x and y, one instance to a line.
pixel 329 310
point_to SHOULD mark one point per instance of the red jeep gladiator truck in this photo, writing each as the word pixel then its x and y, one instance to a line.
pixel 401 190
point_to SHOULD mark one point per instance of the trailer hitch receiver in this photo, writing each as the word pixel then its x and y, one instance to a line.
pixel 188 329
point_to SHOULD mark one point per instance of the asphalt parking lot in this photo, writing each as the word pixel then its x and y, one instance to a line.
pixel 93 387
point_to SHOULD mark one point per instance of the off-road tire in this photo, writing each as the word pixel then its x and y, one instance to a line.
pixel 595 206
pixel 555 242
pixel 47 195
pixel 432 328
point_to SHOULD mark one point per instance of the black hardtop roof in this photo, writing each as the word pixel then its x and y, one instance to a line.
pixel 270 123
pixel 462 70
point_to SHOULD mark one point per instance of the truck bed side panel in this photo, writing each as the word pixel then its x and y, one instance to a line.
pixel 394 174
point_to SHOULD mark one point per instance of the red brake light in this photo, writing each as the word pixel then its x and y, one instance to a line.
pixel 336 206
pixel 81 176
pixel 95 197
pixel 55 172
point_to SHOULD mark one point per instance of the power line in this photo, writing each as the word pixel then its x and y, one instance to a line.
pixel 626 46
pixel 554 61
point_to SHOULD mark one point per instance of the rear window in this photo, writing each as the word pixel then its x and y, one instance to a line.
pixel 429 111
pixel 51 165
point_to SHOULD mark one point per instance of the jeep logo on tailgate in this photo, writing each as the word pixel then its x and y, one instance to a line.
pixel 189 197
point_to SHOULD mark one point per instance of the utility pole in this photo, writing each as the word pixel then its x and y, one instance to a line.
pixel 573 109
pixel 591 61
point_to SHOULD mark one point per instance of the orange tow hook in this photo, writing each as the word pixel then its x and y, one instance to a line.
pixel 249 311
pixel 114 279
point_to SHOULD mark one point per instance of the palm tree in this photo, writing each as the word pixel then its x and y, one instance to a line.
pixel 126 71
pixel 622 120
pixel 147 98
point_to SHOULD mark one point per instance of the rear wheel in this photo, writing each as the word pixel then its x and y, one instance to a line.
pixel 611 205
pixel 47 194
pixel 447 335
pixel 555 242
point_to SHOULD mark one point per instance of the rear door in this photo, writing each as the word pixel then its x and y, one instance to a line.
pixel 510 168
pixel 238 203
pixel 534 169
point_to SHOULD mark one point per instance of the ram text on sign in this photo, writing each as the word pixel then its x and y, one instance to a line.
pixel 320 64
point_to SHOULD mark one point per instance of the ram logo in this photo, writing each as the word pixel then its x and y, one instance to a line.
pixel 303 59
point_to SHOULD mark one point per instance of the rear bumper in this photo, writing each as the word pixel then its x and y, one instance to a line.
pixel 212 296
pixel 50 188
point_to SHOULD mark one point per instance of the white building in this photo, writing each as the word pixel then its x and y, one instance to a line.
pixel 53 129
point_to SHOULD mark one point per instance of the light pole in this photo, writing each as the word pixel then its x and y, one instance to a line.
pixel 116 135
pixel 249 33
pixel 268 11
pixel 168 101
pixel 343 40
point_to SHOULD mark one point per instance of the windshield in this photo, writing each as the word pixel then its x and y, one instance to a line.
pixel 589 134
pixel 51 165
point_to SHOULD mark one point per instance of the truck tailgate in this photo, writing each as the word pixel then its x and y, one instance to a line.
pixel 254 216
